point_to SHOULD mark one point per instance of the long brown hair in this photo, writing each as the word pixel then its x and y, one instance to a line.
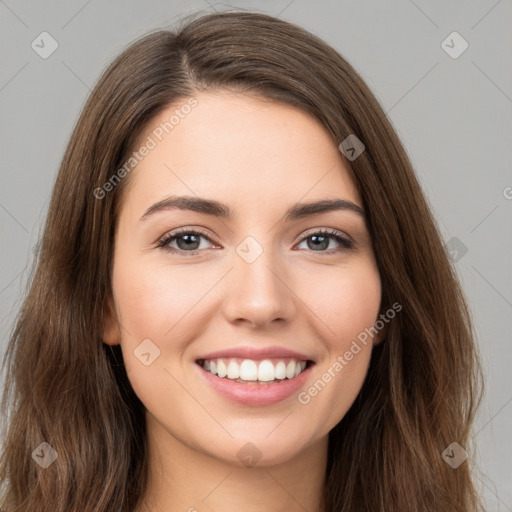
pixel 67 388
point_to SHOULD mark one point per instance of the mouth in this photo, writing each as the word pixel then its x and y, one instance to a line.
pixel 250 371
pixel 255 382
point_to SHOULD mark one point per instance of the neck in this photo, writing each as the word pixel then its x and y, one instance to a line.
pixel 182 479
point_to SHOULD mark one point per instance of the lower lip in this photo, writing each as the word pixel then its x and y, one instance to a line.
pixel 255 395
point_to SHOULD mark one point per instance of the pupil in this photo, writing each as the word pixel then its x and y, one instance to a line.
pixel 322 245
pixel 189 241
pixel 315 242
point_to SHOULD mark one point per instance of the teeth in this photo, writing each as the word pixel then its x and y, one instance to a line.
pixel 221 368
pixel 233 370
pixel 256 371
pixel 248 370
pixel 280 370
pixel 266 371
pixel 290 370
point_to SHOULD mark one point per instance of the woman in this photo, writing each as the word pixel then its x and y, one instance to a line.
pixel 242 299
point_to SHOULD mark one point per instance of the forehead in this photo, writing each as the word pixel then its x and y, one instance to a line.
pixel 239 149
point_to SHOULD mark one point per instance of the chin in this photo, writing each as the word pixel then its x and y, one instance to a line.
pixel 260 451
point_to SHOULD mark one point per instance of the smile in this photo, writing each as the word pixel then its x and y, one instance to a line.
pixel 266 371
pixel 255 382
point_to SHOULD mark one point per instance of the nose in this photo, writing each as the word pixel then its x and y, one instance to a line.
pixel 259 293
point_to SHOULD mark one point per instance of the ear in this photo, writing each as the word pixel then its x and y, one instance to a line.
pixel 383 322
pixel 380 336
pixel 111 333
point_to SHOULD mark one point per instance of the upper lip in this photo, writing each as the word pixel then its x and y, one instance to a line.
pixel 257 353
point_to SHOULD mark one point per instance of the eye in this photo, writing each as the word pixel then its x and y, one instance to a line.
pixel 187 240
pixel 320 240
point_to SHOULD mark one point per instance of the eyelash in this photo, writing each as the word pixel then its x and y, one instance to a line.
pixel 167 239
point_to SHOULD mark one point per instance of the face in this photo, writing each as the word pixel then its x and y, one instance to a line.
pixel 238 328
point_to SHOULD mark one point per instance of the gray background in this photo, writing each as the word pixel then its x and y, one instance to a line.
pixel 452 115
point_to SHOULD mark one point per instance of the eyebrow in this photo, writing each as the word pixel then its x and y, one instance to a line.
pixel 221 210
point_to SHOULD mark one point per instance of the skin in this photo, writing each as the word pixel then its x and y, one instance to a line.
pixel 260 158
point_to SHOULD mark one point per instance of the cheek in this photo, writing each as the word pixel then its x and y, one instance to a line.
pixel 166 307
pixel 346 300
pixel 346 303
pixel 155 303
pixel 154 308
